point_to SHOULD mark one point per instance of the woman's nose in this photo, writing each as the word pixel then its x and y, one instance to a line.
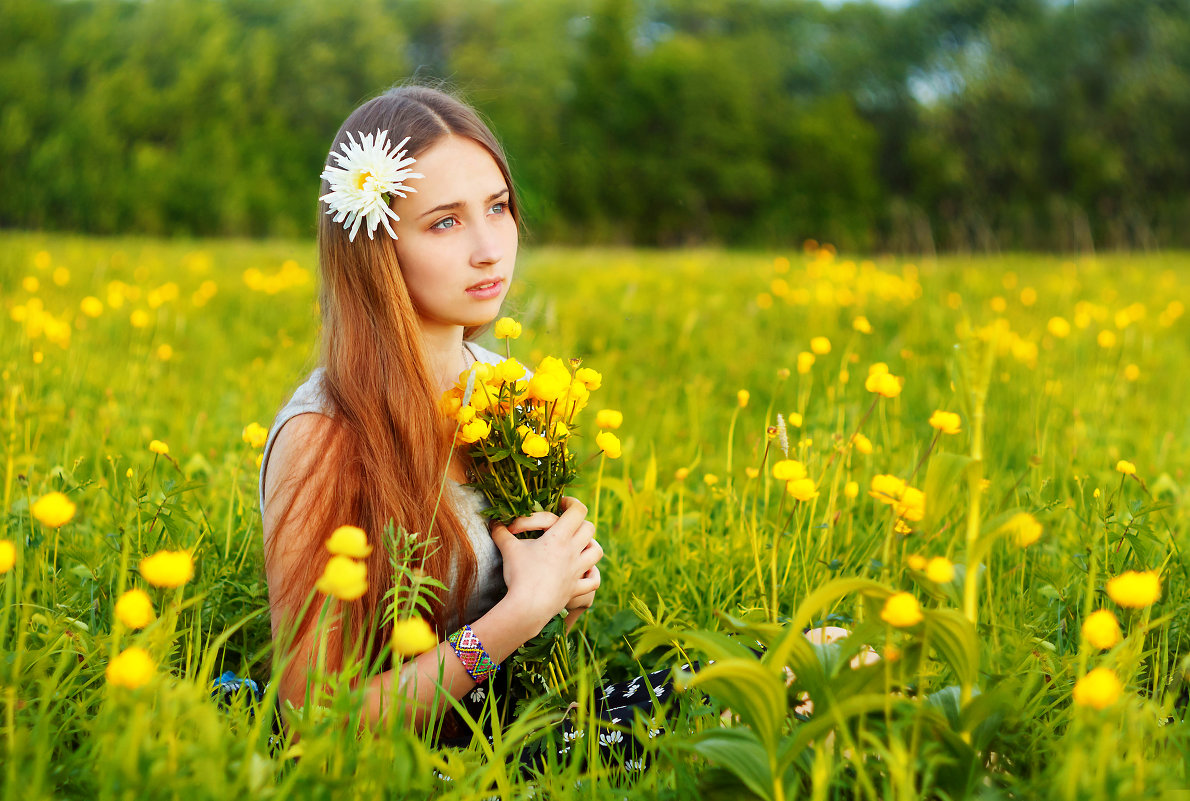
pixel 486 248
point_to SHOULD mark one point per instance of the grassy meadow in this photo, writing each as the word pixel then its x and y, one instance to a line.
pixel 1069 469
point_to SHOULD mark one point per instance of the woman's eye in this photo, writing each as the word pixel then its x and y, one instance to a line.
pixel 500 207
pixel 442 225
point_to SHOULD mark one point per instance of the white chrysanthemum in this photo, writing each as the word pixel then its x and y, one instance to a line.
pixel 367 172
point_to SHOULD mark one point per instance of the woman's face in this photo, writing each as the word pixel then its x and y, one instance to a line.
pixel 457 239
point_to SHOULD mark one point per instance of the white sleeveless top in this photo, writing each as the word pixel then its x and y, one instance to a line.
pixel 488 587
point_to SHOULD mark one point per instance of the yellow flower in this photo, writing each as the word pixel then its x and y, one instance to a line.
pixel 535 445
pixel 54 509
pixel 805 360
pixel 133 668
pixel 134 609
pixel 710 479
pixel 1106 339
pixel 912 505
pixel 1059 327
pixel 801 488
pixel 742 397
pixel 887 489
pixel 877 367
pixel 795 420
pixel 255 435
pixel 349 541
pixel 862 325
pixel 946 422
pixel 413 636
pixel 1126 467
pixel 939 570
pixel 609 443
pixel 820 345
pixel 91 306
pixel 590 379
pixel 682 473
pixel 917 562
pixel 509 371
pixel 1026 530
pixel 507 328
pixel 884 384
pixel 8 555
pixel 751 472
pixel 863 444
pixel 344 578
pixel 1098 689
pixel 851 489
pixel 560 431
pixel 901 610
pixel 609 418
pixel 789 470
pixel 1132 372
pixel 140 319
pixel 1135 590
pixel 475 431
pixel 168 568
pixel 782 373
pixel 548 386
pixel 1101 629
pixel 159 447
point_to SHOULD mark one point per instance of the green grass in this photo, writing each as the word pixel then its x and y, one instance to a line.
pixel 964 710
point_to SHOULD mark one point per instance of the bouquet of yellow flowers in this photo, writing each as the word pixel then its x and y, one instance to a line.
pixel 516 426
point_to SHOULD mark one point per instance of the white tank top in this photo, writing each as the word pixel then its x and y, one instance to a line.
pixel 488 587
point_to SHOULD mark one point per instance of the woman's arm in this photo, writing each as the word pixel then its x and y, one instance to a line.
pixel 543 576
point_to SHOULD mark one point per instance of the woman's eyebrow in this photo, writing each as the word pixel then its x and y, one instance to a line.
pixel 458 204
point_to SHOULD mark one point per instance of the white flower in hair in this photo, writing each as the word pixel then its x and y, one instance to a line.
pixel 367 172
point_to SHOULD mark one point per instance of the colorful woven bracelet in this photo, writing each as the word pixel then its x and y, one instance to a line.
pixel 475 659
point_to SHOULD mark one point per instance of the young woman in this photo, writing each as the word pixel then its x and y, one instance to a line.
pixel 417 246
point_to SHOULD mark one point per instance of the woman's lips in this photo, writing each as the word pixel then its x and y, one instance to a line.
pixel 486 290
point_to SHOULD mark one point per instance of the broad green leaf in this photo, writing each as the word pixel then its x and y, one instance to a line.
pixel 737 750
pixel 953 636
pixel 754 692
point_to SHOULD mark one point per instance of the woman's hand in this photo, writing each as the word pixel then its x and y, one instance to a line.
pixel 554 572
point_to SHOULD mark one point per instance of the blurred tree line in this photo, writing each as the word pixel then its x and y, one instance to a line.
pixel 948 124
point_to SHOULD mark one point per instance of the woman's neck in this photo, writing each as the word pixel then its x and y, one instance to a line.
pixel 445 353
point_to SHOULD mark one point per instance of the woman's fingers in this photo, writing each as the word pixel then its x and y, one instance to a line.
pixel 538 521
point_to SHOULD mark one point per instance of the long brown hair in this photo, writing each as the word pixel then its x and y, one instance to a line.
pixel 386 442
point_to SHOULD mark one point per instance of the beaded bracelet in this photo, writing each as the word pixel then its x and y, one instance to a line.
pixel 480 666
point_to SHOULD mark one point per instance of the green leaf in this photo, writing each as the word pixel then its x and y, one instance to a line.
pixel 953 636
pixel 753 691
pixel 737 750
pixel 946 482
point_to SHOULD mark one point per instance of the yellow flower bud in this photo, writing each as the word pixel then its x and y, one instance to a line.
pixel 413 636
pixel 862 325
pixel 682 473
pixel 8 556
pixel 590 379
pixel 53 509
pixel 343 578
pixel 133 668
pixel 805 360
pixel 862 444
pixel 946 422
pixel 609 443
pixel 789 470
pixel 820 345
pixel 168 568
pixel 135 609
pixel 801 488
pixel 1126 467
pixel 742 397
pixel 939 570
pixel 349 541
pixel 535 445
pixel 507 328
pixel 255 435
pixel 1135 590
pixel 901 610
pixel 884 384
pixel 1098 689
pixel 609 418
pixel 1101 629
pixel 917 562
pixel 159 447
pixel 851 489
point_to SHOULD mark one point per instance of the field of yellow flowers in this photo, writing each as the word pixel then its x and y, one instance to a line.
pixel 978 466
